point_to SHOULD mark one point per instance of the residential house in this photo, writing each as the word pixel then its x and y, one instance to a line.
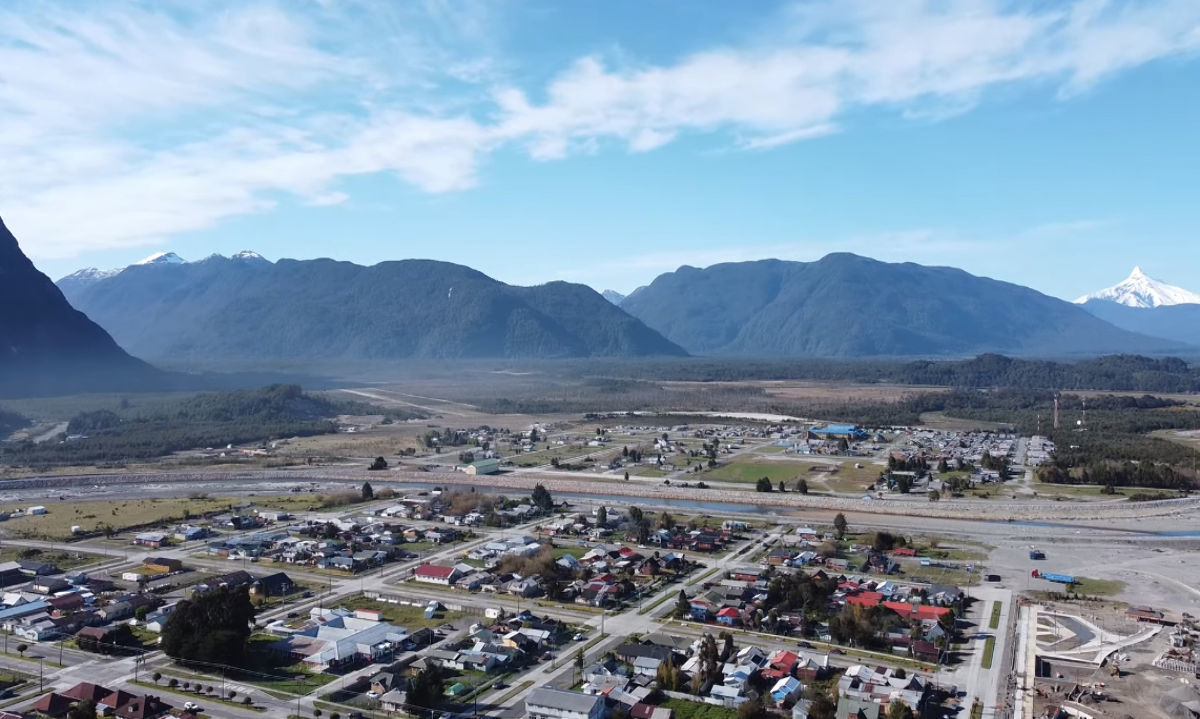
pixel 340 637
pixel 726 695
pixel 164 565
pixel 436 574
pixel 152 539
pixel 550 703
pixel 34 568
pixel 53 705
pixel 785 690
pixel 278 584
pixel 854 708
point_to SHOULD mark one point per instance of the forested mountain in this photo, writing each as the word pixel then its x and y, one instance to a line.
pixel 849 306
pixel 46 346
pixel 229 309
pixel 1179 323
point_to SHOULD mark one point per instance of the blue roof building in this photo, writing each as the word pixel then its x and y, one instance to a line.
pixel 849 431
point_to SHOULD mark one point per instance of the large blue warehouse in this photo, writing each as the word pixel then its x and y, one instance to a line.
pixel 849 431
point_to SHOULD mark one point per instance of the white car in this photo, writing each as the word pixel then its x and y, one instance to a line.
pixel 372 695
pixel 191 706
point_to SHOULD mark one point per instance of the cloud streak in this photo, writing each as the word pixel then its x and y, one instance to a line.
pixel 123 127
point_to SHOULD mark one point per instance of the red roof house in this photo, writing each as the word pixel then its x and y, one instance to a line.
pixel 918 611
pixel 435 574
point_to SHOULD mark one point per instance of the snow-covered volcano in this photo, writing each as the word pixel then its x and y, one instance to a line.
pixel 1141 290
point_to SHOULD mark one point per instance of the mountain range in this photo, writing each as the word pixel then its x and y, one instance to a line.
pixel 1143 304
pixel 844 305
pixel 247 308
pixel 1141 291
pixel 46 346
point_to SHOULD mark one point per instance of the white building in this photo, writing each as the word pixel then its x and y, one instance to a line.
pixel 551 703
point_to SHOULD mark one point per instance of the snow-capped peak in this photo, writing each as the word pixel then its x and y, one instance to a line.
pixel 162 258
pixel 1141 290
pixel 248 255
pixel 90 274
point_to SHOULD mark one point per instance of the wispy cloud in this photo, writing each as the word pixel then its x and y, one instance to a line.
pixel 1065 228
pixel 121 125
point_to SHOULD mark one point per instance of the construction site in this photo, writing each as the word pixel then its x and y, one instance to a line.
pixel 1098 660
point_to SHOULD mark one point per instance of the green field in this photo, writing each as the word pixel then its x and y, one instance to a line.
pixel 994 621
pixel 566 454
pixel 122 514
pixel 405 616
pixel 696 710
pixel 1097 587
pixel 751 472
pixel 989 648
pixel 64 560
pixel 575 551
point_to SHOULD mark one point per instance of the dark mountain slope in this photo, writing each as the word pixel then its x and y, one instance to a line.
pixel 48 347
pixel 849 306
pixel 226 309
pixel 1179 323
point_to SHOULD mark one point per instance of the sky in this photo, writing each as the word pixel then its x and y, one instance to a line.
pixel 1052 144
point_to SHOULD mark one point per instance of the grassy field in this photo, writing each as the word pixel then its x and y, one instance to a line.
pixel 994 620
pixel 64 560
pixel 575 551
pixel 567 454
pixel 203 699
pixel 697 710
pixel 93 516
pixel 1070 491
pixel 119 514
pixel 405 616
pixel 1097 587
pixel 646 470
pixel 989 648
pixel 750 472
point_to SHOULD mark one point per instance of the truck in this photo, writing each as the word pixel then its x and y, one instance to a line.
pixel 1053 577
pixel 1037 554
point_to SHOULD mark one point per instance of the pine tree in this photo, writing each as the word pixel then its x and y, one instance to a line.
pixel 839 525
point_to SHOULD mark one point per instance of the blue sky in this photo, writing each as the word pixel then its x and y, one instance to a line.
pixel 1050 144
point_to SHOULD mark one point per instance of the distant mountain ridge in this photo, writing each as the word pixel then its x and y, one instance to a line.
pixel 845 305
pixel 75 281
pixel 1143 304
pixel 246 308
pixel 1142 291
pixel 48 347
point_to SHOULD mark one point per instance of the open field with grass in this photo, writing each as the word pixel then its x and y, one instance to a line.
pixel 943 421
pixel 65 560
pixel 698 710
pixel 646 470
pixel 1097 587
pixel 566 454
pixel 402 615
pixel 122 514
pixel 1071 491
pixel 749 471
pixel 118 514
pixel 575 551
